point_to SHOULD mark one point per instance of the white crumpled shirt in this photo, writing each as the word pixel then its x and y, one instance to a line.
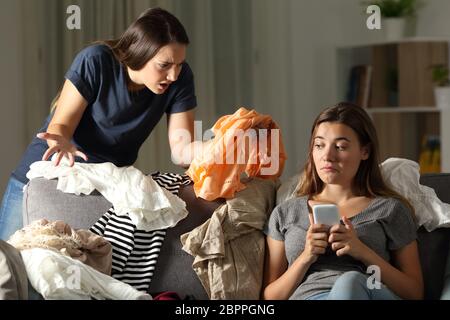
pixel 403 176
pixel 56 276
pixel 149 206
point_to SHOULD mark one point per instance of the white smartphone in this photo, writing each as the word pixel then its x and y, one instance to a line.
pixel 326 214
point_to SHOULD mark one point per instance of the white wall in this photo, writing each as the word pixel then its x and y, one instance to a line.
pixel 294 51
pixel 292 64
pixel 12 130
pixel 295 67
pixel 433 19
pixel 434 22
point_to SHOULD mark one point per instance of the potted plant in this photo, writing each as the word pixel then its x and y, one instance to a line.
pixel 440 75
pixel 394 13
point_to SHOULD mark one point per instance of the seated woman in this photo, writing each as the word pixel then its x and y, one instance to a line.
pixel 372 253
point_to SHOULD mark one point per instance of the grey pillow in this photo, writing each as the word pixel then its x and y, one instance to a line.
pixel 42 200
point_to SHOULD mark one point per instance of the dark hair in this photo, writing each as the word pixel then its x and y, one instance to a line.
pixel 154 29
pixel 368 180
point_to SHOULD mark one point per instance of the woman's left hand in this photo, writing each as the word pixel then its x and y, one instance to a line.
pixel 344 240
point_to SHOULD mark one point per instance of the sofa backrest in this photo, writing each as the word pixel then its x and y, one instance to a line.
pixel 434 246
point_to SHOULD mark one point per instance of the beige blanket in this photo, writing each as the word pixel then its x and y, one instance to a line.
pixel 228 248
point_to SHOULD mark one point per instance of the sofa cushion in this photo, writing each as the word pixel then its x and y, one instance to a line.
pixel 178 274
pixel 434 246
pixel 173 270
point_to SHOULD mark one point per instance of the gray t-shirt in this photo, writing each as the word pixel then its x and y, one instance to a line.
pixel 385 225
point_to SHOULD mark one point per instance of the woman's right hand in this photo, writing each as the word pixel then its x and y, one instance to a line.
pixel 316 241
pixel 62 147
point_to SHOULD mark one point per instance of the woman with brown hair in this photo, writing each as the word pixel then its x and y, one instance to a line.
pixel 114 94
pixel 372 253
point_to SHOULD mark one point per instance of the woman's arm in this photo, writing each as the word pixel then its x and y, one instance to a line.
pixel 279 280
pixel 180 128
pixel 68 113
pixel 404 278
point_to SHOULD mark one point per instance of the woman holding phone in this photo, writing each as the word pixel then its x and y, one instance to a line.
pixel 373 253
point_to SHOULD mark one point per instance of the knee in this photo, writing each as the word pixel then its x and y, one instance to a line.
pixel 352 278
pixel 351 285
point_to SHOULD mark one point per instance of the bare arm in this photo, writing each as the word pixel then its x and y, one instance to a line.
pixel 279 280
pixel 180 127
pixel 70 109
pixel 404 277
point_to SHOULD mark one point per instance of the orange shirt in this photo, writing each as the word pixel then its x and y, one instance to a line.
pixel 244 142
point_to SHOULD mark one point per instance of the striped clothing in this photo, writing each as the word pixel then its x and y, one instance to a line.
pixel 135 252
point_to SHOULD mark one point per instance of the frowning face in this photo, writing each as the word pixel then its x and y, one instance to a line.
pixel 162 70
pixel 337 153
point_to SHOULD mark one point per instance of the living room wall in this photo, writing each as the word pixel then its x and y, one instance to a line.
pixel 12 130
pixel 276 56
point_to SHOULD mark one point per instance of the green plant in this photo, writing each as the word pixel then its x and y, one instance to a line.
pixel 396 8
pixel 440 75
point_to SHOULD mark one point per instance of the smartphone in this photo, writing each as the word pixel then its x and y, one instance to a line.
pixel 326 214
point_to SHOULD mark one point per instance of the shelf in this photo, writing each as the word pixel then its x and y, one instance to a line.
pixel 403 110
pixel 400 75
pixel 403 40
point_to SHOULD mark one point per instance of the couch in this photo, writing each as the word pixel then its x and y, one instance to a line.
pixel 174 271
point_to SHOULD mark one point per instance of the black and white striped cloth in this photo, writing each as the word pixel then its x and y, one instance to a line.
pixel 135 252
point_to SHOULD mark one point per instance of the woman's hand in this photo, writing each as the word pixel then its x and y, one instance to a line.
pixel 316 241
pixel 344 240
pixel 62 147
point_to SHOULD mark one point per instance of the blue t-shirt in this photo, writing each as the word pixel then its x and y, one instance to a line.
pixel 116 121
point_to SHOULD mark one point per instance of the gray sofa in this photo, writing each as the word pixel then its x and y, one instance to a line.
pixel 173 270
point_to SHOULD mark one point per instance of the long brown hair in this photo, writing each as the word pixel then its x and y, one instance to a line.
pixel 368 180
pixel 153 29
